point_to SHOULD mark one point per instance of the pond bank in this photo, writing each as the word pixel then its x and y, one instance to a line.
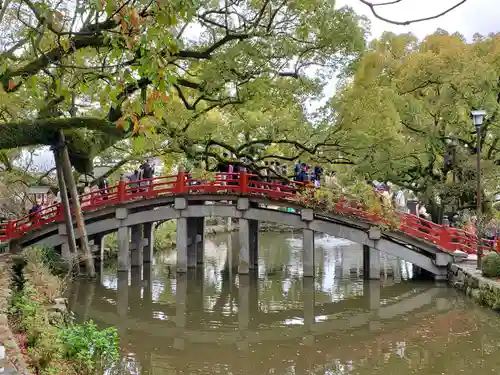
pixel 233 227
pixel 468 279
pixel 11 360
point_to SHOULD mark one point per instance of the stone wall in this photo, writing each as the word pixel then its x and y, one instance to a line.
pixel 465 277
pixel 11 362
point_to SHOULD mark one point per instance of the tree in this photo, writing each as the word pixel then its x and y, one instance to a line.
pixel 409 100
pixel 132 67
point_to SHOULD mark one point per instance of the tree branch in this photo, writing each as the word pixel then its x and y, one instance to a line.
pixel 43 131
pixel 373 7
pixel 91 36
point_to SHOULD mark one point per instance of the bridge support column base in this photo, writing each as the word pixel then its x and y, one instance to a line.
pixel 182 244
pixel 136 252
pixel 308 258
pixel 200 240
pixel 122 239
pixel 371 263
pixel 98 242
pixel 249 246
pixel 253 226
pixel 147 251
pixel 65 252
pixel 195 240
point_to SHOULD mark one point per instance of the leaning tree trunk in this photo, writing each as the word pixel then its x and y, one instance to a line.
pixel 68 220
pixel 80 223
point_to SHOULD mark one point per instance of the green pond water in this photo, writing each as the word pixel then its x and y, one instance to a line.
pixel 212 321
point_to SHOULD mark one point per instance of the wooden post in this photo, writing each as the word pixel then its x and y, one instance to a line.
pixel 68 221
pixel 80 223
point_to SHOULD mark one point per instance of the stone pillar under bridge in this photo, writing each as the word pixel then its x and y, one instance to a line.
pixel 190 237
pixel 137 245
pixel 371 263
pixel 147 251
pixel 308 251
pixel 249 241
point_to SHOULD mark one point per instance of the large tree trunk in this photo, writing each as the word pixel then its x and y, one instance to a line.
pixel 80 223
pixel 68 221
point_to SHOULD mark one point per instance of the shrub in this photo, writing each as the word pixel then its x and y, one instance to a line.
pixel 28 315
pixel 54 347
pixel 38 273
pixel 491 265
pixel 91 350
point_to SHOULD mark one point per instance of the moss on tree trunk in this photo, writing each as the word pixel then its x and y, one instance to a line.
pixel 86 137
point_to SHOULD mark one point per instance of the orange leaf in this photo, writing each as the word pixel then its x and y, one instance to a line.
pixel 124 26
pixel 149 104
pixel 120 123
pixel 134 18
pixel 12 85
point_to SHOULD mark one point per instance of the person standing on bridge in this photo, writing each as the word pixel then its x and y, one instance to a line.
pixel 399 201
pixel 146 172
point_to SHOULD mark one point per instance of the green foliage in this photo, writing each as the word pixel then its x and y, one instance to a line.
pixel 490 296
pixel 29 315
pixel 491 265
pixel 133 71
pixel 90 349
pixel 358 196
pixel 54 347
pixel 408 100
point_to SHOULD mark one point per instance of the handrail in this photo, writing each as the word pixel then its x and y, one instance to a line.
pixel 446 238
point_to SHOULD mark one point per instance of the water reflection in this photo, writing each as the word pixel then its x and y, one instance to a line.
pixel 212 321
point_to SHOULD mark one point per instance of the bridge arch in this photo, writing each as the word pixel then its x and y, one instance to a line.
pixel 249 209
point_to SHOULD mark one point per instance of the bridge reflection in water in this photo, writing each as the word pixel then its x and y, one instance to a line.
pixel 213 320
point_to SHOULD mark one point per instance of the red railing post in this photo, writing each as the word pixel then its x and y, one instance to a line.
pixel 181 182
pixel 151 186
pixel 11 228
pixel 243 182
pixel 122 191
pixel 59 212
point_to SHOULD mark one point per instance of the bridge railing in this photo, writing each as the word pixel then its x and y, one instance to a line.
pixel 447 238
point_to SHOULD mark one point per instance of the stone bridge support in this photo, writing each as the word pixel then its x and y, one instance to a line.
pixel 371 263
pixel 308 252
pixel 132 241
pixel 149 239
pixel 97 246
pixel 123 241
pixel 190 238
pixel 136 246
pixel 249 240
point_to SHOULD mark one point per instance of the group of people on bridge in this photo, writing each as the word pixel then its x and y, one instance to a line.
pixel 272 171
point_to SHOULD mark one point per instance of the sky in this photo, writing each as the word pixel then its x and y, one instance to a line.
pixel 475 16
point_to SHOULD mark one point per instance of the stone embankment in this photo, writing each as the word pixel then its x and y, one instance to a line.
pixel 467 278
pixel 11 361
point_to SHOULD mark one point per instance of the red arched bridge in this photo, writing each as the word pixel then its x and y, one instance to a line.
pixel 181 197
